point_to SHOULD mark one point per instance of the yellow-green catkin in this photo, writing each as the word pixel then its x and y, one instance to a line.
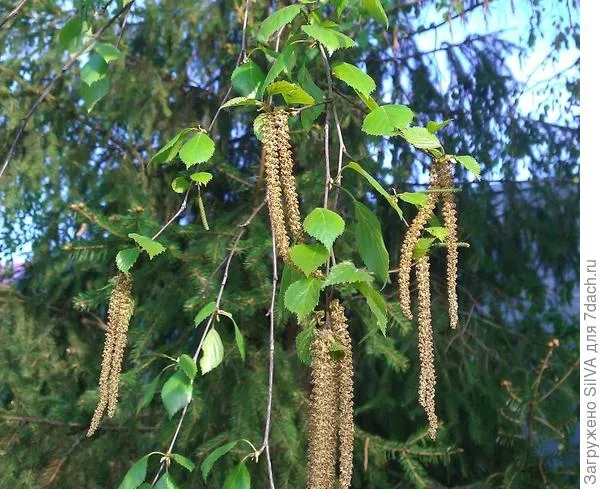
pixel 288 181
pixel 345 392
pixel 446 180
pixel 323 407
pixel 271 141
pixel 119 312
pixel 410 241
pixel 427 378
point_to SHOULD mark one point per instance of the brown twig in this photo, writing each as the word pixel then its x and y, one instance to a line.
pixel 12 14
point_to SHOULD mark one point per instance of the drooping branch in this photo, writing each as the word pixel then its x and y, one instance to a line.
pixel 209 323
pixel 48 88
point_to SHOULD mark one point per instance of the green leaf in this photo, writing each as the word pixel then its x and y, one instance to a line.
pixel 136 474
pixel 303 342
pixel 369 241
pixel 149 245
pixel 324 225
pixel 95 69
pixel 95 92
pixel 176 393
pixel 420 138
pixel 165 482
pixel 206 311
pixel 202 177
pixel 258 126
pixel 387 119
pixel 375 184
pixel 197 150
pixel 70 32
pixel 246 78
pixel 239 339
pixel 376 303
pixel 376 11
pixel 340 6
pixel 238 478
pixel 332 40
pixel 439 232
pixel 434 127
pixel 188 366
pixel 148 395
pixel 283 61
pixel 126 258
pixel 288 277
pixel 277 20
pixel 416 198
pixel 309 257
pixel 354 77
pixel 421 248
pixel 212 351
pixel 180 185
pixel 346 273
pixel 368 101
pixel 185 462
pixel 470 164
pixel 241 102
pixel 215 455
pixel 302 296
pixel 292 93
pixel 108 52
pixel 170 150
pixel 308 116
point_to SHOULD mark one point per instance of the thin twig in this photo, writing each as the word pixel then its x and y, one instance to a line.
pixel 176 215
pixel 13 13
pixel 63 460
pixel 271 314
pixel 51 85
pixel 124 24
pixel 241 56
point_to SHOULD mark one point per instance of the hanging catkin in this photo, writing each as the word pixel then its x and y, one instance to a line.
pixel 323 407
pixel 345 380
pixel 446 180
pixel 426 352
pixel 410 241
pixel 288 181
pixel 120 309
pixel 271 143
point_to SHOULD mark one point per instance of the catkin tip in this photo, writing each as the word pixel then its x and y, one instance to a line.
pixel 427 379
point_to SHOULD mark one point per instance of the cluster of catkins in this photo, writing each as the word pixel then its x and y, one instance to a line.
pixel 120 309
pixel 282 197
pixel 331 436
pixel 440 189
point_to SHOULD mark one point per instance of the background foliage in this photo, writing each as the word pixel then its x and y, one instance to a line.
pixel 505 425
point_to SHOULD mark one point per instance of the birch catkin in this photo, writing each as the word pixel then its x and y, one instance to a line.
pixel 410 241
pixel 450 223
pixel 273 183
pixel 323 407
pixel 120 309
pixel 288 181
pixel 427 378
pixel 345 379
